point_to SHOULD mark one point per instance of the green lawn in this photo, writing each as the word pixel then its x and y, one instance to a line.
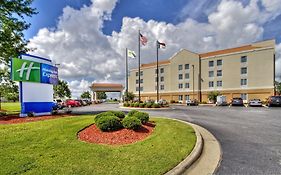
pixel 11 107
pixel 52 147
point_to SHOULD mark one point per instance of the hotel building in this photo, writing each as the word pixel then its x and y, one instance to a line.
pixel 247 72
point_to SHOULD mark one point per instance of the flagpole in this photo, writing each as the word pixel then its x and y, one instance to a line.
pixel 157 72
pixel 139 64
pixel 126 74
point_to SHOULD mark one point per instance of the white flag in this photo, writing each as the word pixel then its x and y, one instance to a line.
pixel 131 54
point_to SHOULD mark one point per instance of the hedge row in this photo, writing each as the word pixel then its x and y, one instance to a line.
pixel 143 105
pixel 115 120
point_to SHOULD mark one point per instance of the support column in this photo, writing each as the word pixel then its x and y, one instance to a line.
pixel 95 96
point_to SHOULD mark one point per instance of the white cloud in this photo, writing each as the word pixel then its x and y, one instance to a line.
pixel 85 54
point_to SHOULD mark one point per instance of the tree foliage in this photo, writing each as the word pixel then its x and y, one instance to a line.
pixel 278 87
pixel 101 95
pixel 61 90
pixel 8 88
pixel 213 96
pixel 86 95
pixel 129 96
pixel 12 25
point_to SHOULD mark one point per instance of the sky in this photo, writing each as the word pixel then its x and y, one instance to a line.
pixel 88 37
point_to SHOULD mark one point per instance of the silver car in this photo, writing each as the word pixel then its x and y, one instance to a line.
pixel 255 102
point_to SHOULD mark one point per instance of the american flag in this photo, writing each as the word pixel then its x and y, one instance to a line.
pixel 143 39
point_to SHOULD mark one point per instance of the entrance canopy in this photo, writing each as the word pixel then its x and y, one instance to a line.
pixel 105 87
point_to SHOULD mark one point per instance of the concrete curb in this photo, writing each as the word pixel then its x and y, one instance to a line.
pixel 152 109
pixel 192 157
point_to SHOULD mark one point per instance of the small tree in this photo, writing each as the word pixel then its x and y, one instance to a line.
pixel 86 94
pixel 278 87
pixel 129 96
pixel 101 95
pixel 62 90
pixel 212 96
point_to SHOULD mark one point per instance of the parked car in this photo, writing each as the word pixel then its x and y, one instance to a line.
pixel 221 101
pixel 162 102
pixel 60 103
pixel 255 102
pixel 237 102
pixel 71 103
pixel 192 102
pixel 274 101
pixel 81 103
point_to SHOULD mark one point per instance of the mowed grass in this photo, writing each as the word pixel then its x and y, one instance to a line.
pixel 11 107
pixel 52 147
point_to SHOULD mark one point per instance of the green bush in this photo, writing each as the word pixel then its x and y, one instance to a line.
pixel 118 114
pixel 148 105
pixel 132 105
pixel 136 104
pixel 126 104
pixel 131 123
pixel 142 116
pixel 141 105
pixel 155 105
pixel 109 123
pixel 98 116
pixel 132 112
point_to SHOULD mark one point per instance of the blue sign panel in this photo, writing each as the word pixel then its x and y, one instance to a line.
pixel 49 74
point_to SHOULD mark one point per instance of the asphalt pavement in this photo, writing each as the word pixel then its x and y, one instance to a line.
pixel 250 137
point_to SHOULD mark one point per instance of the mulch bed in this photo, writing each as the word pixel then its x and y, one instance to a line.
pixel 16 119
pixel 124 136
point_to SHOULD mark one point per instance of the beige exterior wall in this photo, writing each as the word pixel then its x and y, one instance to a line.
pixel 260 75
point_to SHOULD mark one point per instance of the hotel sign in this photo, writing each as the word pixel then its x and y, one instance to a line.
pixel 30 71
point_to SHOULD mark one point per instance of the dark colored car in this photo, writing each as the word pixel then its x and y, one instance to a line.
pixel 274 101
pixel 237 102
pixel 191 102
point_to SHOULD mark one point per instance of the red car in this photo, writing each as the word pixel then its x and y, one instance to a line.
pixel 71 103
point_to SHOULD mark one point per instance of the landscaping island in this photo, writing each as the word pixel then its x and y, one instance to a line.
pixel 53 147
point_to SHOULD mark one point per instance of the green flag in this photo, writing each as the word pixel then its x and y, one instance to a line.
pixel 131 54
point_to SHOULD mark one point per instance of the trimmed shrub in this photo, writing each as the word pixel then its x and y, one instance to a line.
pixel 131 123
pixel 142 116
pixel 98 116
pixel 132 105
pixel 141 105
pixel 125 104
pixel 131 113
pixel 109 123
pixel 155 105
pixel 136 104
pixel 148 105
pixel 118 114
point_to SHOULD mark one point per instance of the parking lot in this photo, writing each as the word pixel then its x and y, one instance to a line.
pixel 250 137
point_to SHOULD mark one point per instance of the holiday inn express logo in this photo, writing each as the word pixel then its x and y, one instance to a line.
pixel 24 70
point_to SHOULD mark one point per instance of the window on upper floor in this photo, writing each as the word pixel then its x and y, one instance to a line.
pixel 186 66
pixel 219 73
pixel 211 84
pixel 243 59
pixel 186 76
pixel 244 82
pixel 186 85
pixel 219 83
pixel 137 81
pixel 162 70
pixel 180 86
pixel 180 67
pixel 244 70
pixel 141 81
pixel 211 63
pixel 137 74
pixel 211 73
pixel 161 79
pixel 141 73
pixel 219 62
pixel 180 76
pixel 162 87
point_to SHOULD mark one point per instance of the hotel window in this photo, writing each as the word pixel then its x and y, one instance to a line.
pixel 162 70
pixel 180 76
pixel 137 88
pixel 180 67
pixel 243 82
pixel 243 59
pixel 137 81
pixel 211 63
pixel 186 86
pixel 180 86
pixel 219 83
pixel 219 73
pixel 161 79
pixel 219 62
pixel 180 97
pixel 244 96
pixel 161 87
pixel 141 81
pixel 211 73
pixel 186 75
pixel 244 70
pixel 137 74
pixel 186 97
pixel 186 66
pixel 141 73
pixel 211 84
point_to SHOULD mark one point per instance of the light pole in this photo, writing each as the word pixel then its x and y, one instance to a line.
pixel 193 82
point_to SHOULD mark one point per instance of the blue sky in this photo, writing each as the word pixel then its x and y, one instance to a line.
pixel 159 10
